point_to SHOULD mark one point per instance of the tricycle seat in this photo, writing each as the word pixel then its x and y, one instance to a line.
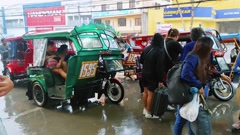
pixel 58 79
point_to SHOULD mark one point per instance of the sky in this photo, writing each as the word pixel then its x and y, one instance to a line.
pixel 14 2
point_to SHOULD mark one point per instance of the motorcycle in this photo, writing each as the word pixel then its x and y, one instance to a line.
pixel 221 89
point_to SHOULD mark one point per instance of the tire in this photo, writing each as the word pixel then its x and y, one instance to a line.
pixel 39 95
pixel 9 75
pixel 116 94
pixel 224 95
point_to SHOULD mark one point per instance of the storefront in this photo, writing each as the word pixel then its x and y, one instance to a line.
pixel 228 20
pixel 203 17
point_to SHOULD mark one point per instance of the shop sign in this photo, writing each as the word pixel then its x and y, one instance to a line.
pixel 45 16
pixel 163 28
pixel 187 12
pixel 115 13
pixel 228 13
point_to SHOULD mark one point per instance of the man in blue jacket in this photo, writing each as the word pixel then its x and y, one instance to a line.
pixel 195 34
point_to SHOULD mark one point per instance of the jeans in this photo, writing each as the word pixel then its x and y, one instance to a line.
pixel 2 128
pixel 202 125
pixel 179 124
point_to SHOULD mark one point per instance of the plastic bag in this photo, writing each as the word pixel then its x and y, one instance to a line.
pixel 190 110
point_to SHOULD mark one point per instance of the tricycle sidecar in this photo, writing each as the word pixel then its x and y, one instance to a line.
pixel 95 56
pixel 20 56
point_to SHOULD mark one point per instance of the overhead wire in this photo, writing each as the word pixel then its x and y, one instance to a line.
pixel 93 11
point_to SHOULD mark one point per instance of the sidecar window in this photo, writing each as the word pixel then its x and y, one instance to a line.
pixel 90 40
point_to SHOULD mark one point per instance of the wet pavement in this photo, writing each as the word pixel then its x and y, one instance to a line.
pixel 22 117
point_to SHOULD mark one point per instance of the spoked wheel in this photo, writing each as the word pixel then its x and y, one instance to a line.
pixel 114 91
pixel 9 75
pixel 39 95
pixel 221 93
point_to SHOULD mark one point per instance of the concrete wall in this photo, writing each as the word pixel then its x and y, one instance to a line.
pixel 130 24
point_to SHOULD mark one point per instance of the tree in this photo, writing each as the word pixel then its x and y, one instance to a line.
pixel 180 12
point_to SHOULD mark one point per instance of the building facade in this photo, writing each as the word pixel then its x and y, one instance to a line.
pixel 223 15
pixel 20 19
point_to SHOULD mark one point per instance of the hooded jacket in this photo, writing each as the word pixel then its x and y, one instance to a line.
pixel 152 59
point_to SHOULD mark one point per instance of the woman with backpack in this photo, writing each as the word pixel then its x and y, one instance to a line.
pixel 196 72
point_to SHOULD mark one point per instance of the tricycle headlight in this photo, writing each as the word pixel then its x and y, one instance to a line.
pixel 113 65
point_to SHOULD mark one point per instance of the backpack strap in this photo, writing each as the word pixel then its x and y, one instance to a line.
pixel 165 48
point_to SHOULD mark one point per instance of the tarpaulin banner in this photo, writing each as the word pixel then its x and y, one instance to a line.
pixel 48 16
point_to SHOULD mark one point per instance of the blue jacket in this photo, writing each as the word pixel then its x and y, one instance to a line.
pixel 188 71
pixel 186 49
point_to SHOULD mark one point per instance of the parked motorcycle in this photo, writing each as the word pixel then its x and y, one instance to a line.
pixel 221 89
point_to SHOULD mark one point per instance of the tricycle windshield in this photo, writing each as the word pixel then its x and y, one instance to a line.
pixel 109 40
pixel 39 53
pixel 215 43
pixel 90 40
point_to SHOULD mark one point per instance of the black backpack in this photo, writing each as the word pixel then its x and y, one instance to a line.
pixel 178 90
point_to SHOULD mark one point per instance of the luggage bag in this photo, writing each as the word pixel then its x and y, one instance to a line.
pixel 159 102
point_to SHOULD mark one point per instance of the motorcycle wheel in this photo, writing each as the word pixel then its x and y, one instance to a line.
pixel 115 93
pixel 223 94
pixel 39 95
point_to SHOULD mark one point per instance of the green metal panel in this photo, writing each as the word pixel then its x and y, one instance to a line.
pixel 75 67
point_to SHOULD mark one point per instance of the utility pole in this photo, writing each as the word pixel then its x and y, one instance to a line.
pixel 79 14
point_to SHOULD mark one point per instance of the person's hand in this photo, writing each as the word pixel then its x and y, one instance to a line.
pixel 201 91
pixel 53 56
pixel 59 64
pixel 226 78
pixel 160 85
pixel 6 85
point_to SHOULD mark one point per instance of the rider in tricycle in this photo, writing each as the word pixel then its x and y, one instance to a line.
pixel 94 58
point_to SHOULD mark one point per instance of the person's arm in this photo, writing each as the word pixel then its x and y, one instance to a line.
pixel 1 50
pixel 184 53
pixel 142 57
pixel 188 71
pixel 178 47
pixel 160 68
pixel 6 85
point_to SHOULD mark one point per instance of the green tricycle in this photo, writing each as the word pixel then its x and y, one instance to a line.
pixel 93 60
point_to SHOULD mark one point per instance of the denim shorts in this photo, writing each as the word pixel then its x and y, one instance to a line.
pixel 2 128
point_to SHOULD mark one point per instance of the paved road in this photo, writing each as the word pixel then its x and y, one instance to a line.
pixel 23 117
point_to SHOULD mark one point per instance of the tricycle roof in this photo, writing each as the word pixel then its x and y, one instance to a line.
pixel 13 38
pixel 98 28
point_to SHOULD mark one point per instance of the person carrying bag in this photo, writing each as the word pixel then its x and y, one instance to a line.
pixel 195 74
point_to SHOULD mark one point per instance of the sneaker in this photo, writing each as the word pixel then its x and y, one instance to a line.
pixel 170 108
pixel 149 116
pixel 144 111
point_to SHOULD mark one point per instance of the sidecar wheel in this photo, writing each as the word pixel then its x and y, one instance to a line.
pixel 39 95
pixel 115 93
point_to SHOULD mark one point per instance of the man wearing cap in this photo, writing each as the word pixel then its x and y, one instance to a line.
pixel 4 54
